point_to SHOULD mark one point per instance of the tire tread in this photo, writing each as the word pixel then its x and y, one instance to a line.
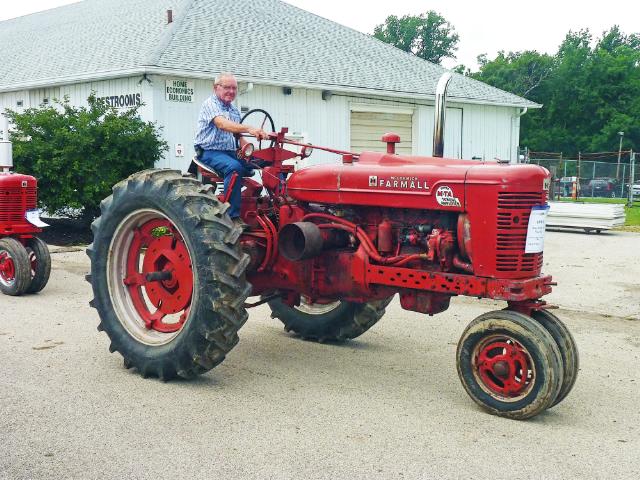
pixel 212 330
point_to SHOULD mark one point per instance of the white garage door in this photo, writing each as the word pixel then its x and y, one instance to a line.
pixel 367 129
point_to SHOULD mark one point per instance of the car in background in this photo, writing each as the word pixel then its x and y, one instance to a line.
pixel 600 187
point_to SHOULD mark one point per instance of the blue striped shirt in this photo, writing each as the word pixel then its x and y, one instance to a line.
pixel 210 137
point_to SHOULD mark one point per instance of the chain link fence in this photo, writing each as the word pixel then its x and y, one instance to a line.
pixel 604 175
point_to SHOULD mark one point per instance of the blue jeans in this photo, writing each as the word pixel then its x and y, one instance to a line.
pixel 226 162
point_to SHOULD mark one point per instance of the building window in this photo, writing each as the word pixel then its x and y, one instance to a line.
pixel 45 101
pixel 20 103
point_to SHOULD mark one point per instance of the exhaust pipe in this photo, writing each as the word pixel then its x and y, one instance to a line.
pixel 303 240
pixel 6 150
pixel 440 114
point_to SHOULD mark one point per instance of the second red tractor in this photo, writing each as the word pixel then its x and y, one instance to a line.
pixel 25 262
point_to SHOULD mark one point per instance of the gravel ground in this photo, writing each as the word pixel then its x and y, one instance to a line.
pixel 388 405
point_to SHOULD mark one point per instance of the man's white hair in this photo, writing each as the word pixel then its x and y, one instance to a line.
pixel 222 75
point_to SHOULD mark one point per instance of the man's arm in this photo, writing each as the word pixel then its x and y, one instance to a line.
pixel 237 128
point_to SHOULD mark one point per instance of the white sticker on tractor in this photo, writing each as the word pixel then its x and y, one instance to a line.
pixel 536 229
pixel 33 217
pixel 373 180
pixel 444 196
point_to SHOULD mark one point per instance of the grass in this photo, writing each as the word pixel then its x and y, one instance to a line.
pixel 632 222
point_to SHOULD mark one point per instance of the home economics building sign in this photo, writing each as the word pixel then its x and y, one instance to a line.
pixel 180 91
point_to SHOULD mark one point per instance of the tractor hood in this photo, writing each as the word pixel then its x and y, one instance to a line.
pixel 397 181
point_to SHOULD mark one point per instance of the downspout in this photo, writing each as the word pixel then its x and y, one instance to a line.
pixel 513 119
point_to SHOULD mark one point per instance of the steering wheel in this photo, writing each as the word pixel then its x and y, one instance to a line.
pixel 258 120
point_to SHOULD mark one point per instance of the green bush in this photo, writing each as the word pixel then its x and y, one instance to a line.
pixel 78 153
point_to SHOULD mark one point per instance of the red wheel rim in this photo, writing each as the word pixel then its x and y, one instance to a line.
pixel 7 268
pixel 150 277
pixel 503 368
pixel 159 249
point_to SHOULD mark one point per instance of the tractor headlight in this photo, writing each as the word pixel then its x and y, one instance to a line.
pixel 306 151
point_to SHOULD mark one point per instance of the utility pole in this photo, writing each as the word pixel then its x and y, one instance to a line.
pixel 619 154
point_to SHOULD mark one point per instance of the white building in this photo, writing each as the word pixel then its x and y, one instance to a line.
pixel 329 84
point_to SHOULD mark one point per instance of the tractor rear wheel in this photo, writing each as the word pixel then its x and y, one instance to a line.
pixel 336 321
pixel 568 350
pixel 15 272
pixel 168 275
pixel 509 364
pixel 40 262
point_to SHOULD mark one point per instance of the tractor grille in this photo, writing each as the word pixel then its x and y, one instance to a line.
pixel 514 210
pixel 14 201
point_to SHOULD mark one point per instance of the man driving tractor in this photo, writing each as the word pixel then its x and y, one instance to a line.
pixel 218 128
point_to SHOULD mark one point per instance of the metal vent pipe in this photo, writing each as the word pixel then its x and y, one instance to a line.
pixel 6 151
pixel 440 114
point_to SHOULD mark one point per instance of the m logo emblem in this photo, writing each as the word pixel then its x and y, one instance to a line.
pixel 373 180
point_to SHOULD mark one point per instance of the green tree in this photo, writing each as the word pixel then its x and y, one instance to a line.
pixel 526 74
pixel 521 73
pixel 78 153
pixel 590 90
pixel 428 36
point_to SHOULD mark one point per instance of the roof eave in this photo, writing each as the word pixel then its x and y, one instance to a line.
pixel 153 70
pixel 71 79
pixel 335 88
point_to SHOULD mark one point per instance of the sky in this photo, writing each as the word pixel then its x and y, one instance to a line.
pixel 484 26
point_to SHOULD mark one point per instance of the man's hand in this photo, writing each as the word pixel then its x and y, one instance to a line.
pixel 258 133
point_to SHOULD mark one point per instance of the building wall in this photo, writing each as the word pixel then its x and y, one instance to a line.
pixel 78 94
pixel 479 131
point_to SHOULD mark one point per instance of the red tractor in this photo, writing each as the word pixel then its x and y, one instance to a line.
pixel 25 262
pixel 328 247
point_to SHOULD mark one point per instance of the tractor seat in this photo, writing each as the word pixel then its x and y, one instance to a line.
pixel 198 165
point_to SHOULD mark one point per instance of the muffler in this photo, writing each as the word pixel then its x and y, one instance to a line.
pixel 303 240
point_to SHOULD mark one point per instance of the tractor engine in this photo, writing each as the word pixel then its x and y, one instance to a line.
pixel 466 216
pixel 393 222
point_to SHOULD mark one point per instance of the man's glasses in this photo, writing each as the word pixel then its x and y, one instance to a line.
pixel 228 87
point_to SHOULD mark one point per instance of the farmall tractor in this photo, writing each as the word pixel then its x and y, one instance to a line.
pixel 328 247
pixel 25 262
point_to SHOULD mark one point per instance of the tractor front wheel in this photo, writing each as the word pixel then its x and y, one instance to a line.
pixel 509 364
pixel 40 262
pixel 15 272
pixel 336 321
pixel 567 347
pixel 168 275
